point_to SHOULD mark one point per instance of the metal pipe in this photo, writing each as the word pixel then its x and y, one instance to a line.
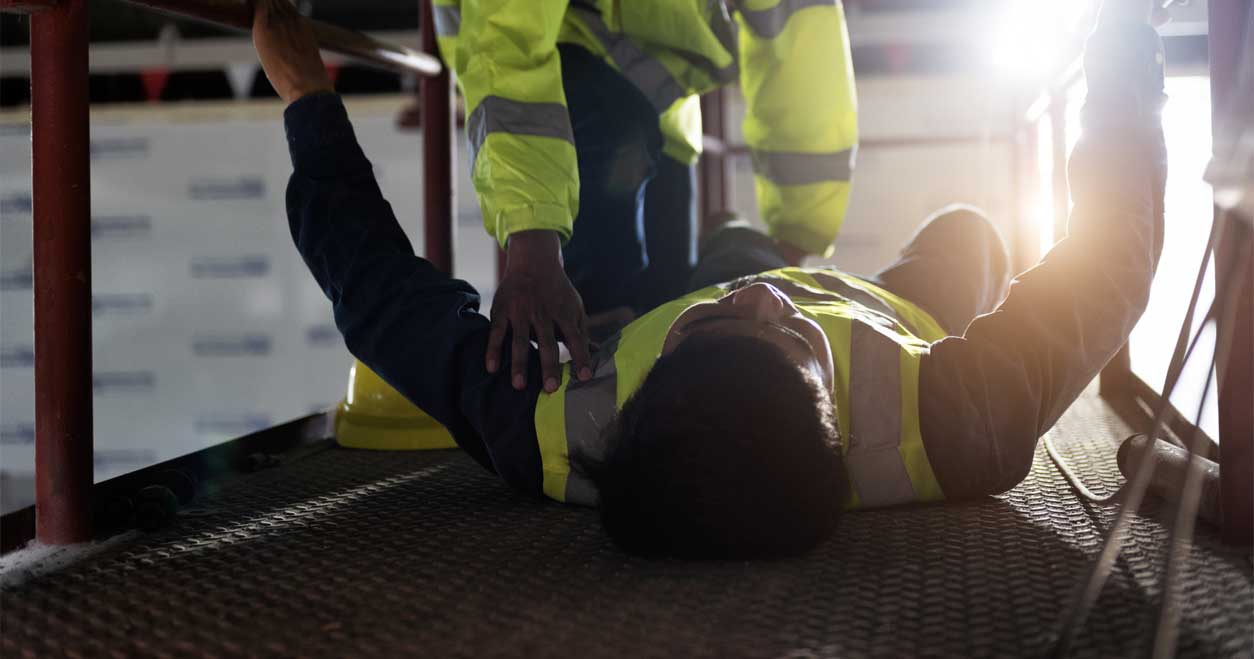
pixel 238 15
pixel 1167 475
pixel 1229 20
pixel 61 171
pixel 715 197
pixel 26 6
pixel 437 153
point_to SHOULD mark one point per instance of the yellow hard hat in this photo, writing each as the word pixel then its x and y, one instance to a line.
pixel 373 415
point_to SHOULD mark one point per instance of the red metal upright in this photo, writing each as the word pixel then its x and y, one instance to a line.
pixel 437 154
pixel 60 155
pixel 715 195
pixel 1228 19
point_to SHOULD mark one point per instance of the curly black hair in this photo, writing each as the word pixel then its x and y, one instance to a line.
pixel 728 450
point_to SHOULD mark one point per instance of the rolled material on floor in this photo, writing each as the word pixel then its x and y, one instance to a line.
pixel 1171 464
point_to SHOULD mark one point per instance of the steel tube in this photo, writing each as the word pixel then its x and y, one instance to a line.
pixel 437 154
pixel 715 196
pixel 62 272
pixel 26 6
pixel 1228 21
pixel 238 15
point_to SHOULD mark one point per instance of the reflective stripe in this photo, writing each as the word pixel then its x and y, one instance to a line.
pixel 913 452
pixel 724 75
pixel 874 462
pixel 550 419
pixel 645 72
pixel 590 407
pixel 496 114
pixel 849 291
pixel 448 19
pixel 768 23
pixel 798 168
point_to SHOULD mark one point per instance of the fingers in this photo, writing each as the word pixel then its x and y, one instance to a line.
pixel 496 338
pixel 576 335
pixel 549 369
pixel 518 353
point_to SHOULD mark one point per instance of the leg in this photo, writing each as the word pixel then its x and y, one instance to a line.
pixel 618 143
pixel 733 250
pixel 670 230
pixel 956 267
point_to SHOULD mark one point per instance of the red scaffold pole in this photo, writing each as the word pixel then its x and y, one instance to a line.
pixel 60 151
pixel 1228 19
pixel 437 153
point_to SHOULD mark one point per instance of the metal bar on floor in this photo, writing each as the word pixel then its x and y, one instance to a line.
pixel 437 153
pixel 61 172
pixel 238 15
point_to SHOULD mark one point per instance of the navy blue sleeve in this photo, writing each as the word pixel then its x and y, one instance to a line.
pixel 415 326
pixel 987 396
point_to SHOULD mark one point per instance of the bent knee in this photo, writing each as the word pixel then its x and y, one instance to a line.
pixel 968 222
pixel 970 227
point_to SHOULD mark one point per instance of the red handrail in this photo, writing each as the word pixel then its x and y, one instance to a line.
pixel 238 15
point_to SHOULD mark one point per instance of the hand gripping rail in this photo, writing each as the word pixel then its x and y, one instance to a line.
pixel 238 15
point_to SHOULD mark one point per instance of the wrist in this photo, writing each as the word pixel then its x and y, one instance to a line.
pixel 533 248
pixel 294 94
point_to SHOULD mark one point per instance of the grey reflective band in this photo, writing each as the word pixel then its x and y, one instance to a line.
pixel 724 75
pixel 448 19
pixel 590 407
pixel 645 72
pixel 850 292
pixel 496 114
pixel 768 23
pixel 799 168
pixel 875 465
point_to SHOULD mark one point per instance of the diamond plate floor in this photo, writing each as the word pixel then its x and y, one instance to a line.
pixel 352 553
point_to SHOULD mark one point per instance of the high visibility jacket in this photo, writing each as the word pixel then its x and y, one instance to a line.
pixel 877 341
pixel 791 58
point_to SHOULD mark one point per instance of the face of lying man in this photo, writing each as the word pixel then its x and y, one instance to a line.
pixel 760 310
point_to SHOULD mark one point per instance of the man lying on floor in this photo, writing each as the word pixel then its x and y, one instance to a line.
pixel 739 420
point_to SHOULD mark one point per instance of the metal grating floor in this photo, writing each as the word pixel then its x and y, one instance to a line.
pixel 350 553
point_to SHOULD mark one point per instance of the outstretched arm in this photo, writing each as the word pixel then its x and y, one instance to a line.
pixel 986 397
pixel 415 326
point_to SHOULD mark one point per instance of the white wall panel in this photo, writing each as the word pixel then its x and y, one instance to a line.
pixel 206 323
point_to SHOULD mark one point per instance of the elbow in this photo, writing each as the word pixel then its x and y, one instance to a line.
pixel 975 476
pixel 1010 469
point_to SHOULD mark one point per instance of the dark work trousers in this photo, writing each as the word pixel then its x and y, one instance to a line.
pixel 633 240
pixel 955 267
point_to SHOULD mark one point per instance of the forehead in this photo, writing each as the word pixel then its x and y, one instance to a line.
pixel 793 344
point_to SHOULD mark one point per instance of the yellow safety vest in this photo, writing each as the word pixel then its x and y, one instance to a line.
pixel 791 58
pixel 877 341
